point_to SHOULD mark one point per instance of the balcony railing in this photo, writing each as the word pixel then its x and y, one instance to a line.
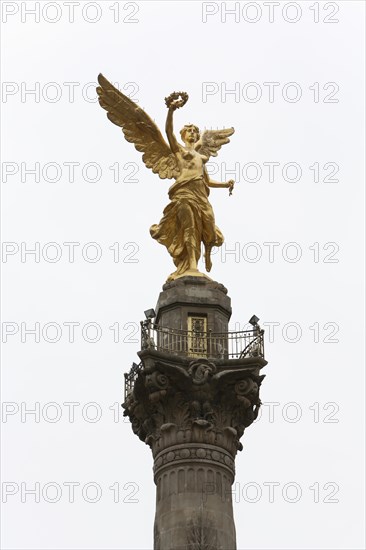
pixel 188 343
pixel 130 377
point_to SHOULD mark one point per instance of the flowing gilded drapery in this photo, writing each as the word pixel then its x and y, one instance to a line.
pixel 187 221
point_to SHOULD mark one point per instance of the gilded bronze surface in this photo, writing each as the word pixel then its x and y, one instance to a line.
pixel 188 220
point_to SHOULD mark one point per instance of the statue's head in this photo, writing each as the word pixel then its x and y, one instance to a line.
pixel 190 133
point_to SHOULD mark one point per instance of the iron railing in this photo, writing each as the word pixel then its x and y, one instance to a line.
pixel 130 377
pixel 188 343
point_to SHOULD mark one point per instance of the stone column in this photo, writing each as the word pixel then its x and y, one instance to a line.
pixel 193 500
pixel 192 412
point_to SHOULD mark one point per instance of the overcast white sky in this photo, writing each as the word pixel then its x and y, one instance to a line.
pixel 294 226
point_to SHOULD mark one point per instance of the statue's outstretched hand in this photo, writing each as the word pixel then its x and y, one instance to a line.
pixel 230 185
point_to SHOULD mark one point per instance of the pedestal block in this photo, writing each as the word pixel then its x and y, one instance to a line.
pixel 193 296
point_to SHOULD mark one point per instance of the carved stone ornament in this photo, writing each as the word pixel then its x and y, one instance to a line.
pixel 199 402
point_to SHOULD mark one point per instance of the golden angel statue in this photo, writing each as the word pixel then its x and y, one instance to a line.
pixel 188 220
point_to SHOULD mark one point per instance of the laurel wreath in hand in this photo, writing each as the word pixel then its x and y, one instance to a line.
pixel 176 100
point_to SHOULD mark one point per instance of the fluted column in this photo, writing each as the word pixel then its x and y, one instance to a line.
pixel 192 414
pixel 193 498
pixel 191 404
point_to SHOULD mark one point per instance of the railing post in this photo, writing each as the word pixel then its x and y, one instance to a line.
pixel 145 334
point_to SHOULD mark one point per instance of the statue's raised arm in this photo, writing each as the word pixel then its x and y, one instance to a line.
pixel 173 102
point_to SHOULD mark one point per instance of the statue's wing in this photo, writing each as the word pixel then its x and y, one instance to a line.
pixel 139 129
pixel 212 140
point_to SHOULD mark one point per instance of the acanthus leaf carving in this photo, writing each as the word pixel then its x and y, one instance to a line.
pixel 202 402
